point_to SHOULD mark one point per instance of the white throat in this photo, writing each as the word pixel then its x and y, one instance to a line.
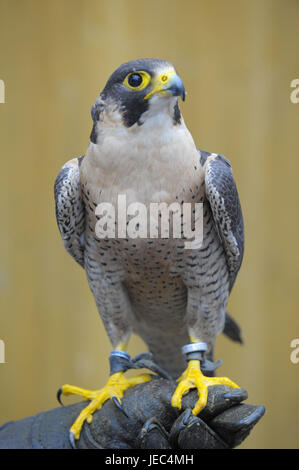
pixel 146 159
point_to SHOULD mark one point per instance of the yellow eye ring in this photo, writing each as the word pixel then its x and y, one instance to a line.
pixel 137 81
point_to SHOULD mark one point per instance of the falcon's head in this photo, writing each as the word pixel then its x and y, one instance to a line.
pixel 136 91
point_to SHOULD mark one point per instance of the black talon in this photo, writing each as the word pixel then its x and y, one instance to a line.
pixel 151 424
pixel 179 425
pixel 118 405
pixel 187 415
pixel 58 395
pixel 72 439
pixel 153 435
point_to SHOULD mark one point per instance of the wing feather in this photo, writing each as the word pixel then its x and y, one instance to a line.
pixel 70 213
pixel 223 197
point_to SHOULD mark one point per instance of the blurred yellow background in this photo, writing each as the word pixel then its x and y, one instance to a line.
pixel 237 59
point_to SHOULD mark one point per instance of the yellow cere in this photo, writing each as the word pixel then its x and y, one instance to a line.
pixel 160 82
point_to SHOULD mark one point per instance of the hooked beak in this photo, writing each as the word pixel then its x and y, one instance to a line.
pixel 168 83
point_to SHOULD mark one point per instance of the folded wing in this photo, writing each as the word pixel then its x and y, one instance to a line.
pixel 70 213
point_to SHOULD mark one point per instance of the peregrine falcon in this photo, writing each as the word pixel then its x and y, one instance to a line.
pixel 170 296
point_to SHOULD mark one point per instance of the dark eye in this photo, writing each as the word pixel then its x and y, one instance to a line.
pixel 135 80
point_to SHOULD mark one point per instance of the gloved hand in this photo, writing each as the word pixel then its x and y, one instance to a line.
pixel 152 423
pixel 149 422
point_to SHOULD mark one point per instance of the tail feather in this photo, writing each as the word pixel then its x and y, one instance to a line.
pixel 231 329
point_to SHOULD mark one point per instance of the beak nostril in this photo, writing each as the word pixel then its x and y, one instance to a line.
pixel 167 84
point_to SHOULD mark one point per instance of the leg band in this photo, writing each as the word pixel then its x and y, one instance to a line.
pixel 196 352
pixel 120 361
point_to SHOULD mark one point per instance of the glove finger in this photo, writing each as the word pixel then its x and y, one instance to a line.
pixel 190 432
pixel 153 435
pixel 235 424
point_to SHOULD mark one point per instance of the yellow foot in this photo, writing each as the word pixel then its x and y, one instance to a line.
pixel 114 389
pixel 194 378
